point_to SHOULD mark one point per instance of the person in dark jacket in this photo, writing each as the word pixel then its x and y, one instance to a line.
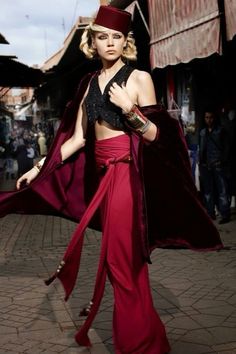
pixel 213 162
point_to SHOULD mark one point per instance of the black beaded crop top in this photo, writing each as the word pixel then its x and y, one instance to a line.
pixel 98 105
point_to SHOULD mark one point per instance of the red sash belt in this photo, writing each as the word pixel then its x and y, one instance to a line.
pixel 68 268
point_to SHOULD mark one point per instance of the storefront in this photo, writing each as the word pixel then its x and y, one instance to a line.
pixel 189 41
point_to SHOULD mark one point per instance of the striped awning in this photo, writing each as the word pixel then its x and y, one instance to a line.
pixel 181 30
pixel 230 18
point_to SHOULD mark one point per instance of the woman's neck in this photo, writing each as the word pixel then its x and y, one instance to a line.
pixel 109 68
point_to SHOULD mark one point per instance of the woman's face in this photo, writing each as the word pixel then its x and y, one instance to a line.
pixel 109 44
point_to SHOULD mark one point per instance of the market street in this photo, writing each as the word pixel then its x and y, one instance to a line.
pixel 194 292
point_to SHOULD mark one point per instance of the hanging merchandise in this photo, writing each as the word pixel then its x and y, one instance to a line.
pixel 174 110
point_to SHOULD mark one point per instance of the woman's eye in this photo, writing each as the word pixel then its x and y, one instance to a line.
pixel 115 36
pixel 102 37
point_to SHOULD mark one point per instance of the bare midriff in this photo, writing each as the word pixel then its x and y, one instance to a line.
pixel 104 130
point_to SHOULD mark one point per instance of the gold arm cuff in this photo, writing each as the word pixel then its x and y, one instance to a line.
pixel 136 119
pixel 38 166
pixel 145 128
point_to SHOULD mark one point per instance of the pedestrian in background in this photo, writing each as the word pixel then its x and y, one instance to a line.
pixel 30 155
pixel 122 141
pixel 42 144
pixel 21 157
pixel 9 160
pixel 192 134
pixel 214 167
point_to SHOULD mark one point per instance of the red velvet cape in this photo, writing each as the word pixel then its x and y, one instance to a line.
pixel 170 211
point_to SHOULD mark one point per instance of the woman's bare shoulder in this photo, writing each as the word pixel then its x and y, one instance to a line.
pixel 141 76
pixel 145 90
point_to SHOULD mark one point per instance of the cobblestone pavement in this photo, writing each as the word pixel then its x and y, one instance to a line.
pixel 194 292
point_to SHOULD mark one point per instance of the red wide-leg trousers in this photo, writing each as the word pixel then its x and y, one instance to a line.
pixel 137 327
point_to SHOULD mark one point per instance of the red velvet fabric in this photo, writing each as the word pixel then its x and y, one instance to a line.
pixel 169 199
pixel 113 18
pixel 175 214
pixel 169 213
pixel 121 257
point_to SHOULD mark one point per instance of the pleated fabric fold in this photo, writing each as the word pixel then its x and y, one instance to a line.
pixel 68 268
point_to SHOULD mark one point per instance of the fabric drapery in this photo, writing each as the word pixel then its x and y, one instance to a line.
pixel 67 189
pixel 68 269
pixel 121 257
pixel 167 207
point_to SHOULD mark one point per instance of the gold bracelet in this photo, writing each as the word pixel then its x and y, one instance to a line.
pixel 38 166
pixel 145 128
pixel 136 119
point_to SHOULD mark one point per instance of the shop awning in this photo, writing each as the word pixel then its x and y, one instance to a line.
pixel 70 47
pixel 230 18
pixel 16 74
pixel 3 39
pixel 182 30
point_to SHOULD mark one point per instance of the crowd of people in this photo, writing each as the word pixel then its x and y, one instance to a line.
pixel 21 147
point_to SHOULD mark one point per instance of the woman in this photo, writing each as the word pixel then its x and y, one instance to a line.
pixel 141 331
pixel 126 142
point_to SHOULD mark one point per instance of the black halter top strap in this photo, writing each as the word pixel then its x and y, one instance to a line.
pixel 98 105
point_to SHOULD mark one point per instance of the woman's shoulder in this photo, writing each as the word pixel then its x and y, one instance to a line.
pixel 141 76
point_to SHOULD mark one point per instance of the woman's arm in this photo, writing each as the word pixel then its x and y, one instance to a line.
pixel 146 96
pixel 68 148
pixel 77 140
pixel 140 91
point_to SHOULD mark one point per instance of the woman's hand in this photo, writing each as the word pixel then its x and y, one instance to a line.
pixel 120 97
pixel 27 177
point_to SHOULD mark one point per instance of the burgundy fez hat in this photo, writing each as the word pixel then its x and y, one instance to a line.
pixel 113 18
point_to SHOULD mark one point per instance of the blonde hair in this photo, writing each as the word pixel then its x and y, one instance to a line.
pixel 129 51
